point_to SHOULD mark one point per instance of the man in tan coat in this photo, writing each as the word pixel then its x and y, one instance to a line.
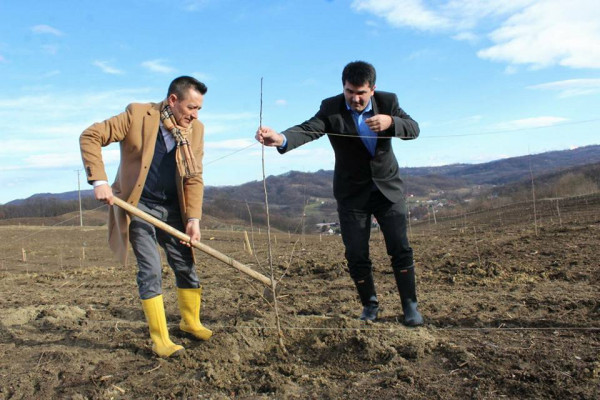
pixel 162 145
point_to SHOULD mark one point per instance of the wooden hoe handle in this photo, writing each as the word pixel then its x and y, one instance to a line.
pixel 200 246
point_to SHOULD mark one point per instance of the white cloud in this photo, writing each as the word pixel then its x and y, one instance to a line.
pixel 466 37
pixel 400 13
pixel 529 123
pixel 212 129
pixel 230 144
pixel 550 32
pixel 454 15
pixel 54 155
pixel 463 122
pixel 467 14
pixel 229 122
pixel 12 147
pixel 53 160
pixel 53 130
pixel 63 160
pixel 46 30
pixel 158 66
pixel 103 65
pixel 202 77
pixel 571 87
pixel 229 116
pixel 281 102
pixel 537 33
pixel 64 116
pixel 2 59
pixel 48 105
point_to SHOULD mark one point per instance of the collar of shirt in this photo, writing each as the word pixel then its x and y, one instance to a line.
pixel 368 111
pixel 169 139
pixel 367 136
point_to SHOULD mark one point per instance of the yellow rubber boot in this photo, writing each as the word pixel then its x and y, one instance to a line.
pixel 154 310
pixel 189 305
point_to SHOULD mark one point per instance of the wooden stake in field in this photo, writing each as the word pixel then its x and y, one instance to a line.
pixel 247 246
pixel 198 245
pixel 409 225
pixel 533 198
pixel 558 211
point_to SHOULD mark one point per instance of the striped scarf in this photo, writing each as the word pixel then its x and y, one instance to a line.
pixel 186 162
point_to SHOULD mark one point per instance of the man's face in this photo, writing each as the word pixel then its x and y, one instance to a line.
pixel 358 97
pixel 186 110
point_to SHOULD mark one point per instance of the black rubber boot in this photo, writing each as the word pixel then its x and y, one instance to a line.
pixel 405 280
pixel 368 298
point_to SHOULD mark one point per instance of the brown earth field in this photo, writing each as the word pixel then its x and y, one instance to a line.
pixel 510 313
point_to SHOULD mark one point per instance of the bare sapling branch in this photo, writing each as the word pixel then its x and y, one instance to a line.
pixel 269 250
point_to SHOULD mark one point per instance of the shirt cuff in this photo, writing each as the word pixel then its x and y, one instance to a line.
pixel 284 145
pixel 99 183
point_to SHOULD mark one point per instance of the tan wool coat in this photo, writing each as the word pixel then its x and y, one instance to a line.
pixel 136 130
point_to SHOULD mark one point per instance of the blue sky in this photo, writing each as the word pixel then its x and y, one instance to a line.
pixel 484 79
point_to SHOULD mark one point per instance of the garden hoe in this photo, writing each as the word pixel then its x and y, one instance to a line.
pixel 200 246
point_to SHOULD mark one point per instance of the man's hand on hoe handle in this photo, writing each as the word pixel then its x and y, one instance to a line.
pixel 104 194
pixel 192 229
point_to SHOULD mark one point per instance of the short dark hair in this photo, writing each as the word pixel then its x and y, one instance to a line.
pixel 181 85
pixel 358 73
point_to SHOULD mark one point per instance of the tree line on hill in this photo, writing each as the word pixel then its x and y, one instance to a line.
pixel 38 206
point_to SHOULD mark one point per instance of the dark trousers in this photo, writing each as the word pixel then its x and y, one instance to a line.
pixel 355 225
pixel 144 238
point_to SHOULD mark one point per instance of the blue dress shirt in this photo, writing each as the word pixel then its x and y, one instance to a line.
pixel 368 137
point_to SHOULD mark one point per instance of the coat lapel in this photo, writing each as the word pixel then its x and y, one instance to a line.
pixel 349 125
pixel 149 132
pixel 374 105
pixel 380 141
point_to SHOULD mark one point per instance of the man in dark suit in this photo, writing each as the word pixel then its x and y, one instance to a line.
pixel 366 182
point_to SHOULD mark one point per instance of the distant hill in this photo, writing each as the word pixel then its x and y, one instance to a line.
pixel 296 197
pixel 289 188
pixel 574 181
pixel 65 196
pixel 512 169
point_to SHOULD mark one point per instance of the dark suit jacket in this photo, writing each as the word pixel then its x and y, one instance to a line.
pixel 355 170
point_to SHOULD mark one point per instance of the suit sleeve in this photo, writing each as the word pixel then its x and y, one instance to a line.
pixel 307 131
pixel 404 126
pixel 97 136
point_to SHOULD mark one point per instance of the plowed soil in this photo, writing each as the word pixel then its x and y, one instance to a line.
pixel 509 314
